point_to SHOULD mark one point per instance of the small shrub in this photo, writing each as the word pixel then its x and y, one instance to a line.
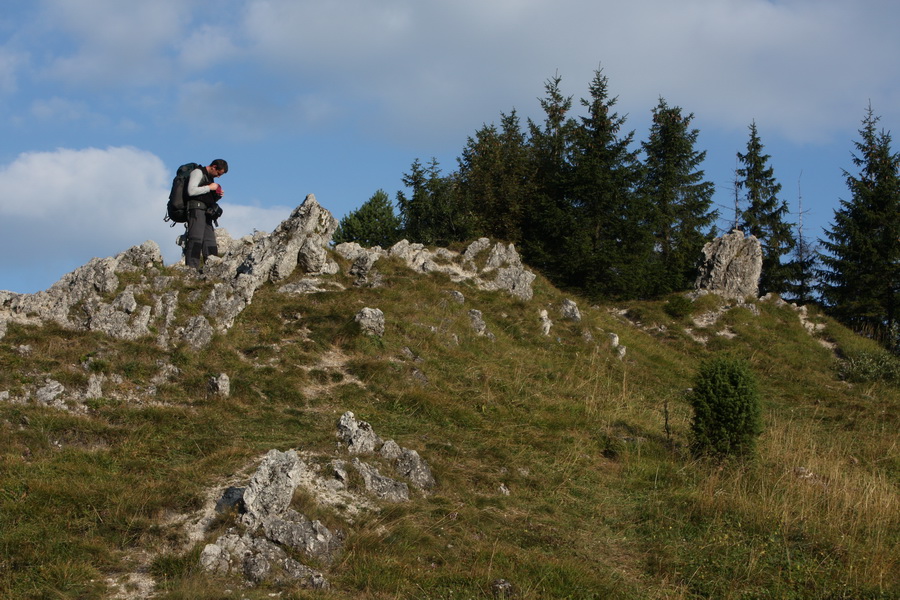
pixel 726 407
pixel 678 307
pixel 869 367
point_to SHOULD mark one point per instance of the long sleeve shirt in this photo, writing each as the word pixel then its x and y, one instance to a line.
pixel 197 177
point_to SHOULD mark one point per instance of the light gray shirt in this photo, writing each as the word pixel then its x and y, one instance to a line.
pixel 194 188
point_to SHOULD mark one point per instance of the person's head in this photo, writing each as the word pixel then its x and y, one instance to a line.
pixel 220 166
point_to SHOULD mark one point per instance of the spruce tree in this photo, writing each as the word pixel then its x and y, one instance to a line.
pixel 372 224
pixel 494 178
pixel 611 243
pixel 547 216
pixel 680 198
pixel 860 278
pixel 764 214
pixel 431 214
pixel 801 285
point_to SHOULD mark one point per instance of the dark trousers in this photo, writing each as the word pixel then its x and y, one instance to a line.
pixel 201 238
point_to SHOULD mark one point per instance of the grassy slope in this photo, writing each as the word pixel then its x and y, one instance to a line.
pixel 604 499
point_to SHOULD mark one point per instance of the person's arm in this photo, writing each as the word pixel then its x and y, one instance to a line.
pixel 195 189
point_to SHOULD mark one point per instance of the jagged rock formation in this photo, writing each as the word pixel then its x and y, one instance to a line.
pixel 90 297
pixel 731 266
pixel 502 270
pixel 93 297
pixel 268 528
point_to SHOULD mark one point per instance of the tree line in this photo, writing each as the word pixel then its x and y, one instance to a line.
pixel 614 220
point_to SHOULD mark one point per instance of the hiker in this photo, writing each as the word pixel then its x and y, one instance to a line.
pixel 202 195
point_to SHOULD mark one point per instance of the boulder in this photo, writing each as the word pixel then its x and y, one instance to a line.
pixel 371 321
pixel 271 488
pixel 357 435
pixel 731 266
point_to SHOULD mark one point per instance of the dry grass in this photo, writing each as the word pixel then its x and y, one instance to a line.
pixel 604 499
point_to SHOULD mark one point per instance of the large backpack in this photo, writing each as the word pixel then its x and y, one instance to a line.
pixel 176 209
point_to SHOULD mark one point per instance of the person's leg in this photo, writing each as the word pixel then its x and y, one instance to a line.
pixel 193 249
pixel 210 246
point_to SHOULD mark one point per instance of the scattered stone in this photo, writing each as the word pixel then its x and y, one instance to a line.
pixel 258 560
pixel 362 266
pixel 457 296
pixel 296 531
pixel 569 311
pixel 477 320
pixel 198 333
pixel 94 387
pixel 357 435
pixel 371 321
pixel 546 323
pixel 410 465
pixel 419 377
pixel 49 394
pixel 502 589
pixel 220 385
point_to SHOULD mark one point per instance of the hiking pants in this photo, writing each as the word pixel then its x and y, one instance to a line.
pixel 201 238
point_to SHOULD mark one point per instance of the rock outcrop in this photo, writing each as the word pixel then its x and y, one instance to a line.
pixel 502 269
pixel 269 532
pixel 731 266
pixel 94 298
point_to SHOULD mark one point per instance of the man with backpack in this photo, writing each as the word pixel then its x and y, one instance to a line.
pixel 201 195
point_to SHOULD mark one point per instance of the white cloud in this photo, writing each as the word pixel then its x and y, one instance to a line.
pixel 115 42
pixel 797 65
pixel 68 206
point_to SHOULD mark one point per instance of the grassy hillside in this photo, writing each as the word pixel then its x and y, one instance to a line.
pixel 562 468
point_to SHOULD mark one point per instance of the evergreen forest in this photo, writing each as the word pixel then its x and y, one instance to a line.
pixel 614 218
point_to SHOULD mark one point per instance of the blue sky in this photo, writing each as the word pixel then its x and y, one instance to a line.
pixel 100 100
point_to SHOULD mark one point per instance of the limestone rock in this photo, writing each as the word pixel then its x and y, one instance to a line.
pixel 731 266
pixel 569 311
pixel 410 465
pixel 546 323
pixel 220 385
pixel 477 320
pixel 271 488
pixel 258 560
pixel 296 531
pixel 357 435
pixel 371 321
pixel 383 487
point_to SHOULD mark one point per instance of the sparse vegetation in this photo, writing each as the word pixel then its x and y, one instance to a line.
pixel 606 499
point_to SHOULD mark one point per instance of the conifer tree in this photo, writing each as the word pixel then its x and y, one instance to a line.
pixel 860 278
pixel 372 224
pixel 547 216
pixel 611 242
pixel 432 215
pixel 494 179
pixel 680 197
pixel 764 214
pixel 801 285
